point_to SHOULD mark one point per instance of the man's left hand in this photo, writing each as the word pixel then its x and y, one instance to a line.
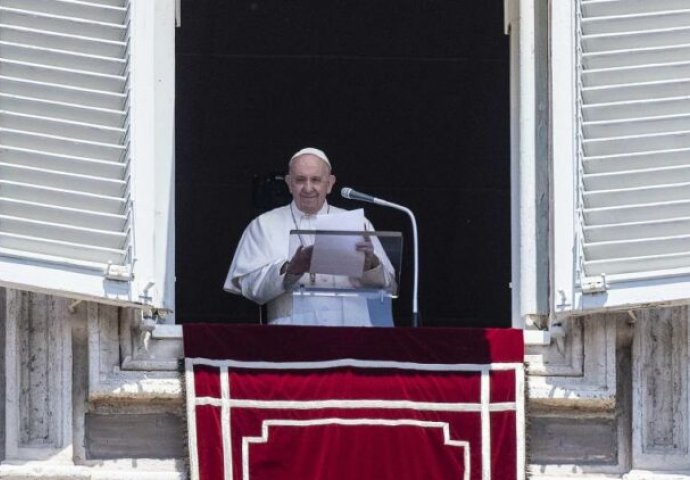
pixel 370 258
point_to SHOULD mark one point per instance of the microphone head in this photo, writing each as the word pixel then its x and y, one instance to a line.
pixel 345 192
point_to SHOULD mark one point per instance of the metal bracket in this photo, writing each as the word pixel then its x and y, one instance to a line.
pixel 145 295
pixel 594 285
pixel 119 273
pixel 72 307
pixel 563 305
pixel 542 331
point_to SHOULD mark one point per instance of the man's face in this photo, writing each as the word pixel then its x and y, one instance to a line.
pixel 309 181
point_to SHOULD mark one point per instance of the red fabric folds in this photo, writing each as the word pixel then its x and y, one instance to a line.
pixel 313 403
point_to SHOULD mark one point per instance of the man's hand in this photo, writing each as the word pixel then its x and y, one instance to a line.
pixel 300 261
pixel 370 259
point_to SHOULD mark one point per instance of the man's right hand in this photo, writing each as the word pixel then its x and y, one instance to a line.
pixel 300 261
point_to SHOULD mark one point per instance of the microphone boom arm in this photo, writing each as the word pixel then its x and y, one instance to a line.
pixel 354 195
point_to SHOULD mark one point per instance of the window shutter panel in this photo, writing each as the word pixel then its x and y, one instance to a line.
pixel 632 173
pixel 65 158
pixel 63 131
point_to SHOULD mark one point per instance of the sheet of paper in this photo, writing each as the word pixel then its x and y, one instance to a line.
pixel 337 254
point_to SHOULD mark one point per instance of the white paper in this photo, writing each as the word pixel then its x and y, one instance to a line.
pixel 337 254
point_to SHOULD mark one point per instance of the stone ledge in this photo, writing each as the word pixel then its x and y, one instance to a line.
pixel 138 386
pixel 577 474
pixel 572 472
pixel 123 469
pixel 656 475
pixel 167 332
pixel 606 472
pixel 545 395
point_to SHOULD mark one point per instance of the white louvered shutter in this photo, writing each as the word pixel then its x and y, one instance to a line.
pixel 632 154
pixel 66 162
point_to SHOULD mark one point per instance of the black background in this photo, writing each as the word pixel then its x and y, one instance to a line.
pixel 410 100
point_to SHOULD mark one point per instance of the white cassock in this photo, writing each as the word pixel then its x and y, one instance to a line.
pixel 260 255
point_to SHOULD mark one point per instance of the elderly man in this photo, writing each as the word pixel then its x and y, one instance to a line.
pixel 265 271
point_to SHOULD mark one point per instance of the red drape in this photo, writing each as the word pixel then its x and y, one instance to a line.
pixel 313 403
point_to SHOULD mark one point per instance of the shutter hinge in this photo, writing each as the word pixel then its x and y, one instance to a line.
pixel 120 273
pixel 594 285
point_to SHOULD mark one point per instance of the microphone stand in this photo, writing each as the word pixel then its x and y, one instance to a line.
pixel 354 195
pixel 415 307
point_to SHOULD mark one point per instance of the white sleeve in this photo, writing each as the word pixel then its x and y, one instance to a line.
pixel 263 284
pixel 255 269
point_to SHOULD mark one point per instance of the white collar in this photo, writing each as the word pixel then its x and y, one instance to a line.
pixel 325 208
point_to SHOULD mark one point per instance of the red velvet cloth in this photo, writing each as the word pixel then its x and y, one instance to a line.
pixel 313 403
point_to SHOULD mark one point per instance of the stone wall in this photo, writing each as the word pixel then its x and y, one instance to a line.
pixel 610 397
pixel 91 392
pixel 94 391
pixel 572 407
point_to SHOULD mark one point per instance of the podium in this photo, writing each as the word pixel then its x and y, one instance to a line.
pixel 338 289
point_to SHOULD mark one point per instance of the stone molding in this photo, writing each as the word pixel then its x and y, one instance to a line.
pixel 126 362
pixel 660 394
pixel 578 369
pixel 65 360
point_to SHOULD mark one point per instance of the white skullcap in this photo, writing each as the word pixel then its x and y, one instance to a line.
pixel 311 151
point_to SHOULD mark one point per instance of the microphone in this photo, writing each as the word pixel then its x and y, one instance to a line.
pixel 351 194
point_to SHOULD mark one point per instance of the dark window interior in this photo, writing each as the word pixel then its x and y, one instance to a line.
pixel 410 100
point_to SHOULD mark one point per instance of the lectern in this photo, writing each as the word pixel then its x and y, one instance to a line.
pixel 338 282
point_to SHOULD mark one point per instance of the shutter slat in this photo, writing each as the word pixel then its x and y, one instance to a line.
pixel 62 41
pixel 62 59
pixel 638 247
pixel 636 178
pixel 636 126
pixel 60 197
pixel 62 233
pixel 649 108
pixel 63 163
pixel 63 128
pixel 605 8
pixel 637 57
pixel 636 213
pixel 657 72
pixel 61 24
pixel 113 3
pixel 22 245
pixel 68 216
pixel 63 110
pixel 636 91
pixel 655 263
pixel 637 160
pixel 61 76
pixel 62 180
pixel 639 22
pixel 639 143
pixel 637 195
pixel 626 231
pixel 85 10
pixel 62 93
pixel 62 145
pixel 622 41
